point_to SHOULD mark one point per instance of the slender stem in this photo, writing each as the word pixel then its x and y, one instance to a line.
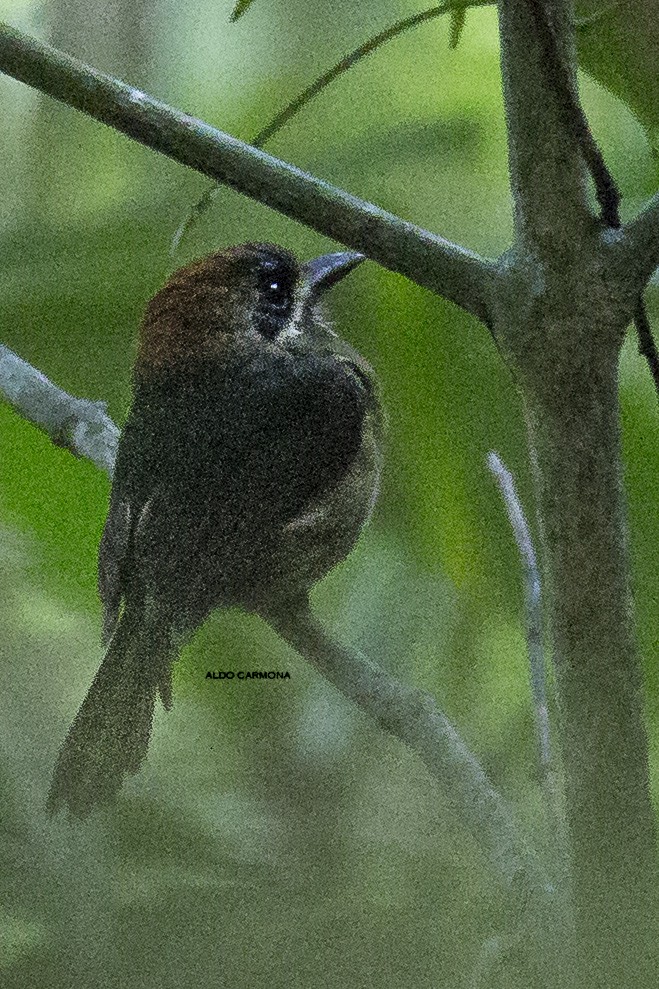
pixel 314 89
pixel 564 85
pixel 357 55
pixel 554 818
pixel 533 606
pixel 646 344
pixel 435 263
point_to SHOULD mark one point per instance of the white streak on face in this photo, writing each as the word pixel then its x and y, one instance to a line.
pixel 294 328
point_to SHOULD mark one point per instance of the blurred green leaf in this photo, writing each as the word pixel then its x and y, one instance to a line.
pixel 19 936
pixel 241 7
pixel 618 44
pixel 275 830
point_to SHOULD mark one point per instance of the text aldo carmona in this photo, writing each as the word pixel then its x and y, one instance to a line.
pixel 246 675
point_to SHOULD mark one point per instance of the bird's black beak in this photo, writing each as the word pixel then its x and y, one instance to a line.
pixel 322 273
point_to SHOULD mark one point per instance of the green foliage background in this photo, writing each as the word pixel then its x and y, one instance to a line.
pixel 275 837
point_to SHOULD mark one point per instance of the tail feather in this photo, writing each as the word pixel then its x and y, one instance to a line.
pixel 110 734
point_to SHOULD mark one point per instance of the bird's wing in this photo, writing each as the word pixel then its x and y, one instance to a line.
pixel 225 460
pixel 144 443
pixel 111 555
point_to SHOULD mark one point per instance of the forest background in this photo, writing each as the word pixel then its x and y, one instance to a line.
pixel 275 836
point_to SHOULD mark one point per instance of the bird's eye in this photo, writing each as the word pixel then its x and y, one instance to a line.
pixel 276 290
pixel 278 295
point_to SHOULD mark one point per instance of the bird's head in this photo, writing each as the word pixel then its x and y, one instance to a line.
pixel 249 296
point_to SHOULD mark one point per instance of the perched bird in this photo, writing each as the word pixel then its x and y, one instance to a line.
pixel 247 467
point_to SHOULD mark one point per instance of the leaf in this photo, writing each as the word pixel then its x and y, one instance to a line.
pixel 618 45
pixel 242 6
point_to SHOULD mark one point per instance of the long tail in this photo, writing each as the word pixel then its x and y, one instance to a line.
pixel 110 734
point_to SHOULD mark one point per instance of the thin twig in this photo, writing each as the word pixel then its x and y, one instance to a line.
pixel 567 96
pixel 647 346
pixel 448 269
pixel 359 53
pixel 308 94
pixel 533 607
pixel 556 837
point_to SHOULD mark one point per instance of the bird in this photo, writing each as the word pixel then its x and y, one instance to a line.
pixel 247 467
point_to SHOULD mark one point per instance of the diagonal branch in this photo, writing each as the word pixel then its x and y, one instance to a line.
pixel 409 714
pixel 432 262
pixel 414 718
pixel 78 424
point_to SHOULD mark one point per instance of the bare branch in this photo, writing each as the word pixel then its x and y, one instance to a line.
pixel 555 833
pixel 76 423
pixel 437 264
pixel 314 89
pixel 413 717
pixel 405 712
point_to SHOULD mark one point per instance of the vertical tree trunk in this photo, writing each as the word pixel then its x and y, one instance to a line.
pixel 575 443
pixel 562 328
